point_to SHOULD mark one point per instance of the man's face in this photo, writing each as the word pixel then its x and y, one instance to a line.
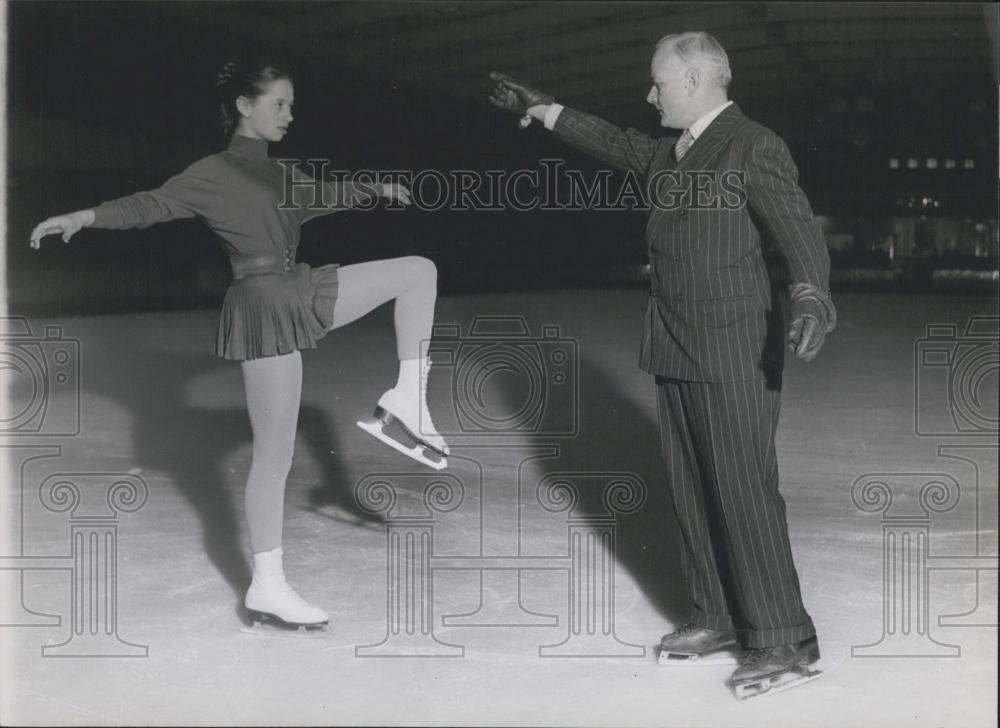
pixel 670 93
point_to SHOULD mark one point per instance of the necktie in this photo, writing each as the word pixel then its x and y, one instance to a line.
pixel 683 144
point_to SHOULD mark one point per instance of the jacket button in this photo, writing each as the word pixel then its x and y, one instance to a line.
pixel 677 258
pixel 680 296
pixel 653 293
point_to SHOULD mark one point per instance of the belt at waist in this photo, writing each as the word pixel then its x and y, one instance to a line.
pixel 276 264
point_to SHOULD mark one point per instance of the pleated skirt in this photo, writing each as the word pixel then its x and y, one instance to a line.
pixel 272 314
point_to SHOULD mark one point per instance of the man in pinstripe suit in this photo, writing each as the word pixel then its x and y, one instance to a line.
pixel 713 339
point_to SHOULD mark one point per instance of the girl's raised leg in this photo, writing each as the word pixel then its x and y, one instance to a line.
pixel 412 283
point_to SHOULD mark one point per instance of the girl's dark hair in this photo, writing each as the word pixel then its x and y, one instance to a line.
pixel 249 79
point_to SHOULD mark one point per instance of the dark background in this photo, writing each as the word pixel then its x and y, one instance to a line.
pixel 890 111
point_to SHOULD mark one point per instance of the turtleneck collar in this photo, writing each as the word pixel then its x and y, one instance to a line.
pixel 246 147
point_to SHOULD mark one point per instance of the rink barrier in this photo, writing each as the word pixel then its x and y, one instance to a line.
pixel 589 564
pixel 94 502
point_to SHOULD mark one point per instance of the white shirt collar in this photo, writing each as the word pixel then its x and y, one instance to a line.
pixel 699 126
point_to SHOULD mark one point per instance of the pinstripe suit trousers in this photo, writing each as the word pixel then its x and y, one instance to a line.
pixel 718 441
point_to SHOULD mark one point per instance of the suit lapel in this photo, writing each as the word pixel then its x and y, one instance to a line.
pixel 698 157
pixel 712 139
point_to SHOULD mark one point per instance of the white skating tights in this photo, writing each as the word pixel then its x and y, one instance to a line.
pixel 274 384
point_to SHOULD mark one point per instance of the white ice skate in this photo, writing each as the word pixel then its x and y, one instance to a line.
pixel 271 601
pixel 768 671
pixel 402 420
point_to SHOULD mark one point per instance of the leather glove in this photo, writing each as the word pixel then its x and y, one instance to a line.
pixel 813 317
pixel 512 95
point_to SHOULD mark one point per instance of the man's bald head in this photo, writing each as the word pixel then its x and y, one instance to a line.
pixel 690 75
pixel 699 50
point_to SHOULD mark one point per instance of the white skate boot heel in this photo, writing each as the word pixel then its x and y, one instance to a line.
pixel 393 431
pixel 271 601
pixel 402 420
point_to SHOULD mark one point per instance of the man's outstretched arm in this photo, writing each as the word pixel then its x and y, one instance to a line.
pixel 626 150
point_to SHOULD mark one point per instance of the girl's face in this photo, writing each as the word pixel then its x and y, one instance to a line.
pixel 269 115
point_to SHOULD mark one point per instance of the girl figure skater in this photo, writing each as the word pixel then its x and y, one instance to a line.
pixel 276 307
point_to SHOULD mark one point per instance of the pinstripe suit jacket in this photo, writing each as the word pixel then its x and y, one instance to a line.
pixel 710 315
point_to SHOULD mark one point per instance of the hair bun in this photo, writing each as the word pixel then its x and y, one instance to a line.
pixel 226 73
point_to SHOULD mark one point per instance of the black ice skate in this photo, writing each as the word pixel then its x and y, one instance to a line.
pixel 773 669
pixel 698 645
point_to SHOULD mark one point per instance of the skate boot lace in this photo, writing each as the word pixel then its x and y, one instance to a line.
pixel 686 629
pixel 426 424
pixel 425 414
pixel 753 657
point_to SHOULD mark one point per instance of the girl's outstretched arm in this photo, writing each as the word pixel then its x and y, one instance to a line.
pixel 69 225
pixel 185 195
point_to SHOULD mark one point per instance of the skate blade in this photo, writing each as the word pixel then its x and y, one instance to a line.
pixel 263 623
pixel 263 629
pixel 374 427
pixel 722 657
pixel 785 681
pixel 388 419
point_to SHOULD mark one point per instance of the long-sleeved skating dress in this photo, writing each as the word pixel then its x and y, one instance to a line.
pixel 273 305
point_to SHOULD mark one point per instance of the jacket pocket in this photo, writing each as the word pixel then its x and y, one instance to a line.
pixel 726 311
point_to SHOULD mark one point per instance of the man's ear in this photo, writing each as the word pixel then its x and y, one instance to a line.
pixel 692 79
